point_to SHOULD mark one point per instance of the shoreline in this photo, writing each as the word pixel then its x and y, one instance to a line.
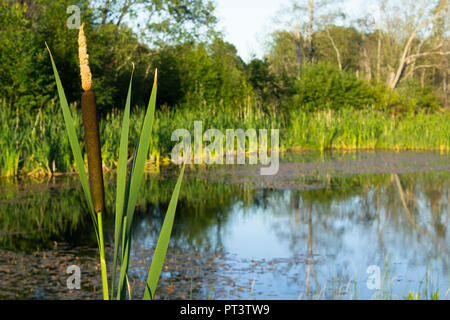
pixel 166 161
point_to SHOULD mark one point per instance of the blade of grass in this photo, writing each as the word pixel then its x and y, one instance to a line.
pixel 74 144
pixel 163 242
pixel 121 180
pixel 135 180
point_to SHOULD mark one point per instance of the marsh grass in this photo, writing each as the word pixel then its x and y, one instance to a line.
pixel 40 148
pixel 368 129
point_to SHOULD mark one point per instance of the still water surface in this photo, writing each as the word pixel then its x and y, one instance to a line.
pixel 356 225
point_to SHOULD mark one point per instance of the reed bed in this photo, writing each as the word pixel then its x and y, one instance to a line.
pixel 369 129
pixel 38 147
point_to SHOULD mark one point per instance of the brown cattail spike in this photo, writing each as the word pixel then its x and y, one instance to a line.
pixel 93 149
pixel 91 131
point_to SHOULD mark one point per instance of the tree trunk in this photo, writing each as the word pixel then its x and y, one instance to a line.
pixel 310 24
pixel 403 63
pixel 105 12
pixel 298 44
pixel 379 56
pixel 338 55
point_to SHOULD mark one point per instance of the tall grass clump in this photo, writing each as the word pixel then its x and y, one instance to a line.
pixel 38 146
pixel 10 142
pixel 128 185
pixel 367 129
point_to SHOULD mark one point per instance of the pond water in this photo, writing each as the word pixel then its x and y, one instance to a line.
pixel 355 225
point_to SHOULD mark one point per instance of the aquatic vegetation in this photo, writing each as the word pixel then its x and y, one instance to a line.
pixel 40 147
pixel 127 189
pixel 434 296
pixel 368 129
pixel 93 151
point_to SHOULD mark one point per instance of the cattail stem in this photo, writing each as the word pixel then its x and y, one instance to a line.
pixel 102 258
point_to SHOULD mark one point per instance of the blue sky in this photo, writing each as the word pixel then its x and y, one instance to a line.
pixel 246 23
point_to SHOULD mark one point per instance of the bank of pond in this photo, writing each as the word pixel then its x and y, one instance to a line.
pixel 35 142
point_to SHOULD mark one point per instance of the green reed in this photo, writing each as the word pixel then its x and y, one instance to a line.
pixel 40 147
pixel 368 129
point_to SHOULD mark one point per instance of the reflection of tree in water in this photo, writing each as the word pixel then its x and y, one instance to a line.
pixel 319 218
pixel 308 231
pixel 196 243
pixel 35 215
pixel 202 211
pixel 402 210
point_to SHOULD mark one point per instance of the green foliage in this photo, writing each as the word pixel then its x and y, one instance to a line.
pixel 22 81
pixel 40 142
pixel 367 129
pixel 266 88
pixel 10 152
pixel 168 21
pixel 199 80
pixel 434 296
pixel 323 86
pixel 26 78
pixel 198 74
pixel 283 60
pixel 422 97
pixel 33 142
pixel 197 66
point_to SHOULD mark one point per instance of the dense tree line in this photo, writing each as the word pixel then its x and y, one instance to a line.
pixel 196 65
pixel 312 63
pixel 403 54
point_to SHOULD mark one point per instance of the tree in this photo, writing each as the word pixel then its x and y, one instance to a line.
pixel 163 21
pixel 262 81
pixel 318 13
pixel 23 79
pixel 198 73
pixel 282 62
pixel 410 33
pixel 339 45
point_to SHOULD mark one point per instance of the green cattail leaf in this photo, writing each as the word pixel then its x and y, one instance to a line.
pixel 74 144
pixel 135 181
pixel 163 242
pixel 121 179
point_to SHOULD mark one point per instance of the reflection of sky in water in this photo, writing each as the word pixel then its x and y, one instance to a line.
pixel 348 236
pixel 259 237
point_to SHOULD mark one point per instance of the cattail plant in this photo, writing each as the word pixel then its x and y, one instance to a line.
pixel 91 131
pixel 127 185
pixel 93 147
